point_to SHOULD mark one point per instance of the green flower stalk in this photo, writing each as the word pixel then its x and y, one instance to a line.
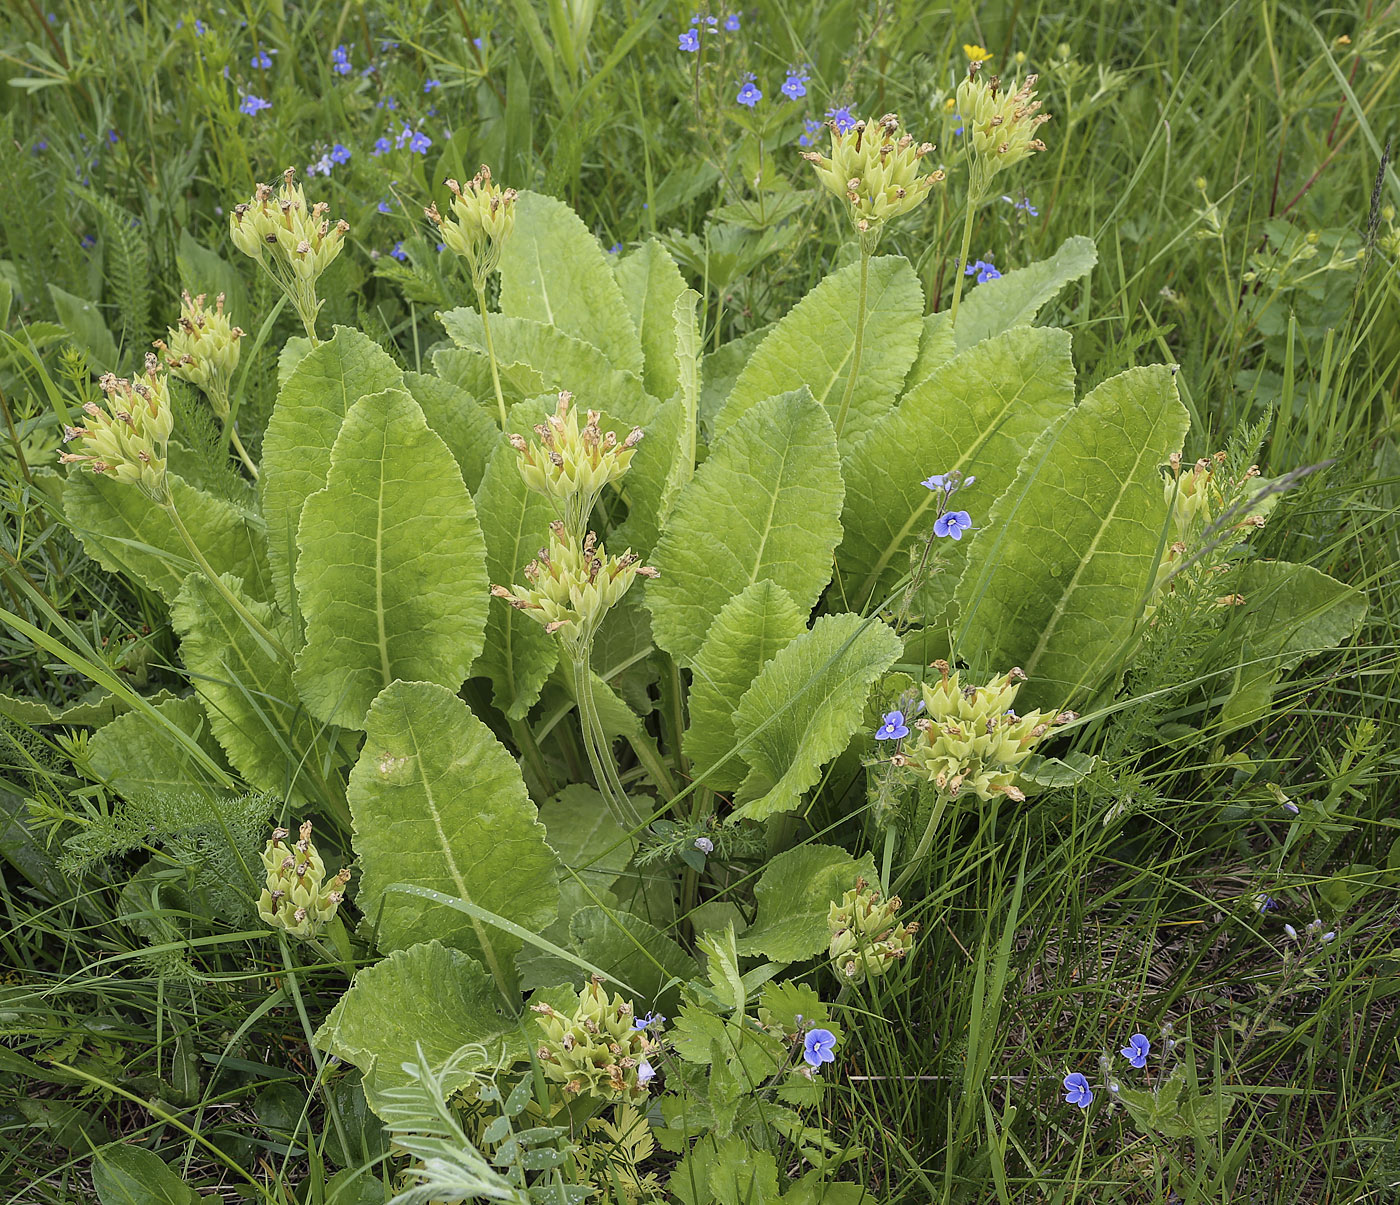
pixel 867 939
pixel 999 126
pixel 598 1050
pixel 572 467
pixel 877 171
pixel 127 438
pixel 204 350
pixel 297 897
pixel 479 220
pixel 293 242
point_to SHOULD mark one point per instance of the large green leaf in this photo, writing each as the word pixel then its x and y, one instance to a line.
pixel 651 285
pixel 750 630
pixel 1016 298
pixel 305 420
pixel 977 414
pixel 519 654
pixel 764 505
pixel 136 753
pixel 533 358
pixel 125 532
pixel 814 345
pixel 804 706
pixel 427 996
pixel 554 271
pixel 391 576
pixel 1059 576
pixel 1289 611
pixel 438 802
pixel 462 422
pixel 794 895
pixel 247 692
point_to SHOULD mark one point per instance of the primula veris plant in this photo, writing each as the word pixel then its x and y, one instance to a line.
pixel 126 438
pixel 877 170
pixel 297 897
pixel 867 938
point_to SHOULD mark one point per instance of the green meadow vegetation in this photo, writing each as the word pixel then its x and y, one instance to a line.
pixel 625 603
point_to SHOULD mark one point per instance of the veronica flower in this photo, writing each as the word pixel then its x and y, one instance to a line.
pixel 340 60
pixel 749 95
pixel 811 127
pixel 1023 204
pixel 953 523
pixel 1137 1050
pixel 893 728
pixel 261 60
pixel 731 23
pixel 818 1047
pixel 419 143
pixel 983 270
pixel 381 147
pixel 1077 1090
pixel 795 85
pixel 251 105
pixel 385 207
pixel 651 1019
pixel 398 252
pixel 690 41
pixel 340 153
pixel 843 119
pixel 645 1073
pixel 429 85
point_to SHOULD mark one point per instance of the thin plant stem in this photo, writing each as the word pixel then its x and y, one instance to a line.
pixel 960 268
pixel 219 402
pixel 866 249
pixel 491 354
pixel 925 843
pixel 230 597
pixel 242 452
pixel 530 750
pixel 598 747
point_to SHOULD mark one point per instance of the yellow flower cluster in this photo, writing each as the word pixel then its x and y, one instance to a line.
pixel 866 937
pixel 876 170
pixel 127 439
pixel 481 217
pixel 203 349
pixel 597 1051
pixel 296 897
pixel 999 124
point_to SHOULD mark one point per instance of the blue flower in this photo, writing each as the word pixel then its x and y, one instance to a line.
pixel 938 481
pixel 818 1047
pixel 795 86
pixel 113 136
pixel 419 143
pixel 429 85
pixel 1137 1050
pixel 340 153
pixel 645 1073
pixel 398 252
pixel 842 119
pixel 385 207
pixel 442 247
pixel 199 27
pixel 893 729
pixel 381 147
pixel 253 104
pixel 983 269
pixel 87 242
pixel 261 60
pixel 749 95
pixel 41 145
pixel 615 249
pixel 1023 204
pixel 704 845
pixel 387 102
pixel 1077 1090
pixel 958 129
pixel 731 23
pixel 340 60
pixel 954 523
pixel 647 1022
pixel 690 41
pixel 809 137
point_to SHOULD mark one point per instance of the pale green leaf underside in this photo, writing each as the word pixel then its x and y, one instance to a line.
pixel 750 630
pixel 135 754
pixel 804 707
pixel 814 345
pixel 391 576
pixel 651 285
pixel 305 420
pixel 438 802
pixel 795 894
pixel 1016 298
pixel 978 414
pixel 554 271
pixel 125 532
pixel 765 505
pixel 1057 580
pixel 248 695
pixel 519 655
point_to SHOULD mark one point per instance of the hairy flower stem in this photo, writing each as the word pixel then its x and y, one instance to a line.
pixel 960 267
pixel 867 248
pixel 925 843
pixel 273 644
pixel 491 354
pixel 599 748
pixel 219 401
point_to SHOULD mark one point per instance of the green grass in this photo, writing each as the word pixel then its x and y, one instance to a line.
pixel 1231 141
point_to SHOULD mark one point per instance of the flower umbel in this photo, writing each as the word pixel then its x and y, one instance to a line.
pixel 866 938
pixel 480 219
pixel 297 898
pixel 875 169
pixel 127 438
pixel 203 349
pixel 597 1051
pixel 1000 124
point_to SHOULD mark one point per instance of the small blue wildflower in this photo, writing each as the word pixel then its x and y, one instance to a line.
pixel 894 727
pixel 385 207
pixel 261 60
pixel 647 1022
pixel 387 102
pixel 1077 1090
pixel 645 1073
pixel 1024 204
pixel 704 845
pixel 340 153
pixel 957 129
pixel 1263 902
pixel 41 145
pixel 711 21
pixel 432 112
pixel 795 85
pixel 810 127
pixel 340 60
pixel 113 136
pixel 843 119
pixel 419 143
pixel 477 43
pixel 253 104
pixel 939 481
pixel 731 23
pixel 386 46
pixel 398 252
pixel 381 147
pixel 322 166
pixel 954 523
pixel 818 1048
pixel 983 269
pixel 1291 931
pixel 429 85
pixel 200 28
pixel 749 95
pixel 442 247
pixel 1137 1050
pixel 87 242
pixel 690 41
pixel 615 249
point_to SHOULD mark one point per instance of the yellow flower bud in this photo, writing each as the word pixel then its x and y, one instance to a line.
pixel 297 898
pixel 999 124
pixel 479 220
pixel 127 438
pixel 866 938
pixel 599 1050
pixel 203 349
pixel 876 170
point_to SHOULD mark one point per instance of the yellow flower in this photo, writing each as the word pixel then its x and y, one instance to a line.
pixel 975 53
